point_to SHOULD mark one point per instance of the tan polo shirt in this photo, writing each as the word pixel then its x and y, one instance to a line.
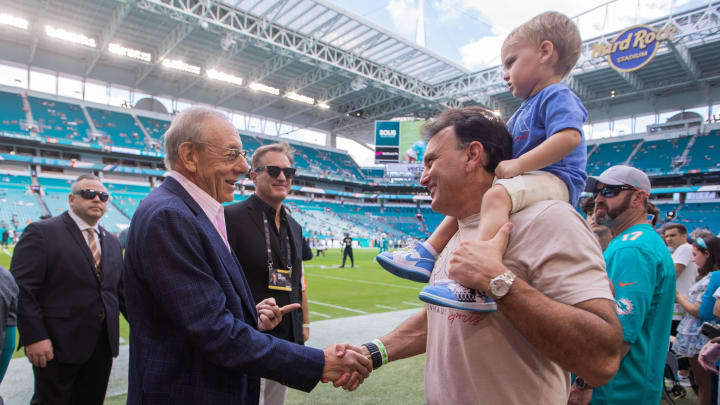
pixel 480 358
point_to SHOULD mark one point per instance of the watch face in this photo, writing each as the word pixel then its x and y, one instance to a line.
pixel 499 287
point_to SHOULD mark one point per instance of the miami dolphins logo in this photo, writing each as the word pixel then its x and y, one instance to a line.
pixel 623 306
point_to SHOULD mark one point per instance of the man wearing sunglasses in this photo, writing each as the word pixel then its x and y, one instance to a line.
pixel 643 277
pixel 275 270
pixel 195 328
pixel 69 270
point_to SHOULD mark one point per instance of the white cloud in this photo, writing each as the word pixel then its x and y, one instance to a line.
pixel 503 16
pixel 404 14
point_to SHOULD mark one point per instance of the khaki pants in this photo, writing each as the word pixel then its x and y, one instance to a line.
pixel 272 392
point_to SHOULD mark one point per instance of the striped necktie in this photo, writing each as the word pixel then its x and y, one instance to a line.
pixel 94 250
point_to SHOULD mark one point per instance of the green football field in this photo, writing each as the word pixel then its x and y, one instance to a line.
pixel 335 292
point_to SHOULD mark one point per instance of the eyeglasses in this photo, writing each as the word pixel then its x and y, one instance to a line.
pixel 274 171
pixel 232 154
pixel 701 242
pixel 611 191
pixel 91 194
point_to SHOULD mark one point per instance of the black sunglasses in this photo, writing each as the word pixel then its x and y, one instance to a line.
pixel 274 171
pixel 611 191
pixel 90 194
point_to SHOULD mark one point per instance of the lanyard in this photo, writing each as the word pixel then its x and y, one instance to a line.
pixel 266 227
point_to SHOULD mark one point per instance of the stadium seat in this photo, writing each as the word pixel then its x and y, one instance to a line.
pixel 59 119
pixel 11 112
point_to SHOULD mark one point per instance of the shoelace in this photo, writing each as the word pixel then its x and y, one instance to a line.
pixel 464 294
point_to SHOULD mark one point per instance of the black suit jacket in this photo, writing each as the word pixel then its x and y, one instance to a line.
pixel 60 296
pixel 247 239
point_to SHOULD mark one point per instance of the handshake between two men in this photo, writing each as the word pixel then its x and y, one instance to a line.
pixel 345 365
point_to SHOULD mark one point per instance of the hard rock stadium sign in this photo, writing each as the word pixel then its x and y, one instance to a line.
pixel 634 47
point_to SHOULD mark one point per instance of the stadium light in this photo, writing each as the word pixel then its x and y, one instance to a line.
pixel 180 65
pixel 300 98
pixel 129 52
pixel 324 106
pixel 225 77
pixel 69 36
pixel 11 20
pixel 265 89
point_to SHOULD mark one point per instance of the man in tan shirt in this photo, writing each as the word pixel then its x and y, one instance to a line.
pixel 555 307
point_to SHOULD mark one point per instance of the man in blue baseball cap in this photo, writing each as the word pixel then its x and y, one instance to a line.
pixel 643 276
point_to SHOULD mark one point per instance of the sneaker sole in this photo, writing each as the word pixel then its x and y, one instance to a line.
pixel 444 302
pixel 412 275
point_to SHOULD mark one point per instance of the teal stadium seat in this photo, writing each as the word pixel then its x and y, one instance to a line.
pixel 58 119
pixel 705 152
pixel 120 128
pixel 11 112
pixel 657 156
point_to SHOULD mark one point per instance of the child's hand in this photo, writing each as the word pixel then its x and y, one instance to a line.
pixel 508 169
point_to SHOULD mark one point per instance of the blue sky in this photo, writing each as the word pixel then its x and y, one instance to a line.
pixel 470 32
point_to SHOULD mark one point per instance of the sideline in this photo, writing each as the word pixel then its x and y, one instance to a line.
pixel 309 275
pixel 17 387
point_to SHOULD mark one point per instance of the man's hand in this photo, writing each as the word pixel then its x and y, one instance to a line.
pixel 709 355
pixel 40 353
pixel 270 314
pixel 306 333
pixel 475 263
pixel 345 366
pixel 578 396
pixel 508 169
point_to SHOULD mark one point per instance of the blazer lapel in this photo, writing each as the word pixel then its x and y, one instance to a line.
pixel 80 240
pixel 232 266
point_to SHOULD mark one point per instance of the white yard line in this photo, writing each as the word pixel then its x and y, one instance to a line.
pixel 362 281
pixel 337 306
pixel 416 304
pixel 384 306
pixel 320 315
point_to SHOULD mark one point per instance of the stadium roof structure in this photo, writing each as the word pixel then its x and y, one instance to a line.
pixel 348 70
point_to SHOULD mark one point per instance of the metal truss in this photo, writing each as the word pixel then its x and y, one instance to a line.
pixel 699 25
pixel 280 38
pixel 187 23
pixel 390 110
pixel 300 82
pixel 122 10
pixel 270 66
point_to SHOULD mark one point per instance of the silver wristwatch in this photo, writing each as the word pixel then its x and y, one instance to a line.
pixel 500 285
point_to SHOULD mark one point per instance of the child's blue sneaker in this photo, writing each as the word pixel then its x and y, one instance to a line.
pixel 448 293
pixel 414 264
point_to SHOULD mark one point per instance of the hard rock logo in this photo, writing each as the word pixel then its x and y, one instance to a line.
pixel 633 48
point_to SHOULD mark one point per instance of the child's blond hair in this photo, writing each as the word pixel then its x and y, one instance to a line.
pixel 556 28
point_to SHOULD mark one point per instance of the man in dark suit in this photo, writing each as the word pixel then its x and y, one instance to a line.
pixel 68 269
pixel 253 223
pixel 194 326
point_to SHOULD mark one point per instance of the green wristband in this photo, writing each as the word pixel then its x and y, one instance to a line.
pixel 383 351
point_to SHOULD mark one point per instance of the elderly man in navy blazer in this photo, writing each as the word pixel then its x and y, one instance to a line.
pixel 194 327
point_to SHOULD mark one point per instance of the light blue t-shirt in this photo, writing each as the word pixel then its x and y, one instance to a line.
pixel 643 274
pixel 548 112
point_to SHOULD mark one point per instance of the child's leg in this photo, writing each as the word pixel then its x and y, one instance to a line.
pixel 442 235
pixel 417 262
pixel 494 212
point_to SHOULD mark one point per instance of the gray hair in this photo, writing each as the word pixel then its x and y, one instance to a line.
pixel 75 187
pixel 187 126
pixel 282 147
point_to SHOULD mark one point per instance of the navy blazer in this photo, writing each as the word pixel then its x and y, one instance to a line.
pixel 193 323
pixel 61 298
